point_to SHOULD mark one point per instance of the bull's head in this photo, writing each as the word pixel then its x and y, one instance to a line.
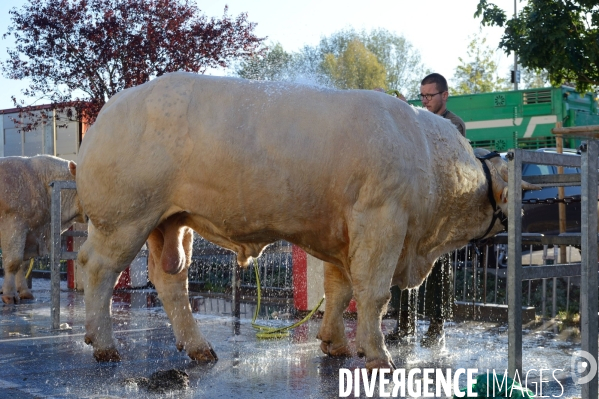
pixel 499 178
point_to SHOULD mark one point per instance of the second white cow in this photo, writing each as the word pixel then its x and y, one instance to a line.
pixel 25 199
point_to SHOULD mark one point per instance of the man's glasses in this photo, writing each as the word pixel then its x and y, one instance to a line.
pixel 428 96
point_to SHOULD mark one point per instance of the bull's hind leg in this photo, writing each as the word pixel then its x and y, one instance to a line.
pixel 167 246
pixel 21 281
pixel 103 258
pixel 338 293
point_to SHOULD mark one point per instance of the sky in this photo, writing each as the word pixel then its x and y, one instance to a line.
pixel 439 29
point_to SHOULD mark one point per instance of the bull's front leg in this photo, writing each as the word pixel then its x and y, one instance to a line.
pixel 374 257
pixel 173 292
pixel 338 293
pixel 9 287
pixel 371 279
pixel 13 246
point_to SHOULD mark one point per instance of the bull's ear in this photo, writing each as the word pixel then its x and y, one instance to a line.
pixel 501 195
pixel 73 168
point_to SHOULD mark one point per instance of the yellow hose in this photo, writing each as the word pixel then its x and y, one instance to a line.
pixel 30 268
pixel 267 332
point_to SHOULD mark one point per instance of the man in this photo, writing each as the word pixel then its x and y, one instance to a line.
pixel 434 93
pixel 437 292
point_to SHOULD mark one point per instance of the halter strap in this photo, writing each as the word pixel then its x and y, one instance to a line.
pixel 497 212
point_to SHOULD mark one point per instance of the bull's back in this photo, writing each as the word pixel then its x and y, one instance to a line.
pixel 256 154
pixel 21 193
pixel 238 140
pixel 25 192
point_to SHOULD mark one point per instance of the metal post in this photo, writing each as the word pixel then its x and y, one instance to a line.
pixel 54 130
pixel 561 193
pixel 236 288
pixel 588 280
pixel 474 278
pixel 554 288
pixel 55 256
pixel 236 307
pixel 529 281
pixel 2 138
pixel 568 298
pixel 56 250
pixel 544 285
pixel 455 273
pixel 485 274
pixel 497 255
pixel 465 273
pixel 514 268
pixel 515 56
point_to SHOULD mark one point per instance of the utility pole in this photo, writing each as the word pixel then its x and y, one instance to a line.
pixel 516 77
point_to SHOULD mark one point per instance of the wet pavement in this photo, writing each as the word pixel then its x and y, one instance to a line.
pixel 36 362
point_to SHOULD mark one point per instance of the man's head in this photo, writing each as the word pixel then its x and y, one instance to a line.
pixel 434 93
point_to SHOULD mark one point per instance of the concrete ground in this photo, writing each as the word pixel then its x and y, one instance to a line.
pixel 37 362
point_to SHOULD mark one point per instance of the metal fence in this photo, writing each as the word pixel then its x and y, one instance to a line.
pixel 212 269
pixel 480 276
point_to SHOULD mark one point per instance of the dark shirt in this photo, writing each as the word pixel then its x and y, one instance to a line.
pixel 456 120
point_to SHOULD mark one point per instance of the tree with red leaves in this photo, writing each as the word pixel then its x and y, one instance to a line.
pixel 79 53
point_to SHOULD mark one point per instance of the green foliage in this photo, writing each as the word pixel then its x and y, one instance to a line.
pixel 400 61
pixel 558 36
pixel 355 68
pixel 478 73
pixel 79 53
pixel 273 63
pixel 534 79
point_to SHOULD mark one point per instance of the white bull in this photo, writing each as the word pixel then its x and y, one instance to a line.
pixel 25 199
pixel 372 186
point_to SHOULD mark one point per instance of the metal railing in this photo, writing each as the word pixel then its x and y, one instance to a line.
pixel 56 252
pixel 587 268
pixel 212 269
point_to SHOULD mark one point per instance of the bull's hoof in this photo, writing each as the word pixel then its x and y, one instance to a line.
pixel 380 364
pixel 9 299
pixel 26 295
pixel 107 355
pixel 88 340
pixel 340 351
pixel 204 356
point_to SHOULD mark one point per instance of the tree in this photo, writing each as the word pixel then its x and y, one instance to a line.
pixel 402 63
pixel 272 64
pixel 534 79
pixel 397 56
pixel 557 36
pixel 100 47
pixel 478 74
pixel 355 68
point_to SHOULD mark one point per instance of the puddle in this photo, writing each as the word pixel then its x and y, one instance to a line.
pixel 37 361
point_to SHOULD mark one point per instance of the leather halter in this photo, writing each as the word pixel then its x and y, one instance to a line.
pixel 497 212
